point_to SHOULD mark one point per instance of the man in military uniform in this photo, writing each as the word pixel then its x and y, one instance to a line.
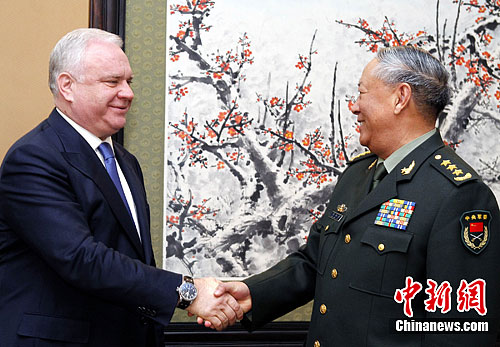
pixel 430 221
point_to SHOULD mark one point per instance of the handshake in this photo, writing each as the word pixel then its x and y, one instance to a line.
pixel 219 305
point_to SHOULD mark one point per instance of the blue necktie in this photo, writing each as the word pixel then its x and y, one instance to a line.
pixel 109 162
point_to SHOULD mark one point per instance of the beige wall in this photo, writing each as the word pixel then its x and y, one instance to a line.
pixel 29 29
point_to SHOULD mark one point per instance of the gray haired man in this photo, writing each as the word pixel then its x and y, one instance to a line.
pixel 409 235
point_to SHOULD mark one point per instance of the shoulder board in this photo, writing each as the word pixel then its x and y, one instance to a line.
pixel 453 167
pixel 360 156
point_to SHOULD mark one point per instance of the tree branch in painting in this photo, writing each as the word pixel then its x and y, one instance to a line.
pixel 265 161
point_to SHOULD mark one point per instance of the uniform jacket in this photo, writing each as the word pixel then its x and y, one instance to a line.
pixel 352 267
pixel 73 271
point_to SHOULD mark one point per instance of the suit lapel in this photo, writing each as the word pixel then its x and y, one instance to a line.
pixel 136 187
pixel 388 187
pixel 83 158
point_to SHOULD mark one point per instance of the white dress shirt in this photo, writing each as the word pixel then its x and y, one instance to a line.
pixel 94 142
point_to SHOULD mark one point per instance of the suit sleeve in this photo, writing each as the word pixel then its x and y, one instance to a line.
pixel 450 259
pixel 39 204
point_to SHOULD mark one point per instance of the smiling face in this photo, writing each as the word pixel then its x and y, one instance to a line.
pixel 100 95
pixel 375 110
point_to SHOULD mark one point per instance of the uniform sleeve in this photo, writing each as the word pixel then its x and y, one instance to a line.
pixel 285 286
pixel 464 249
pixel 40 206
pixel 291 283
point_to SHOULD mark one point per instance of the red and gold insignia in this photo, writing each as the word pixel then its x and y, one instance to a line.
pixel 475 230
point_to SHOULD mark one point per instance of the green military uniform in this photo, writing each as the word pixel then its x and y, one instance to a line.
pixel 354 261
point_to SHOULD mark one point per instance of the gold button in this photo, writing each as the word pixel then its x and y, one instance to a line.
pixel 317 344
pixel 438 156
pixel 322 309
pixel 334 273
pixel 327 227
pixel 347 238
pixel 381 247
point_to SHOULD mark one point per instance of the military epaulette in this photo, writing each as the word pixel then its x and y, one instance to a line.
pixel 453 168
pixel 360 156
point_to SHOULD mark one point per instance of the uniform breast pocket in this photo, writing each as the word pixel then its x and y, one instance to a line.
pixel 380 266
pixel 329 231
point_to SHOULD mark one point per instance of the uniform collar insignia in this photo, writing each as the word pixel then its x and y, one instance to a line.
pixel 407 170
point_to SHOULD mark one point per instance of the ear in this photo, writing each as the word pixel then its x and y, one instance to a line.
pixel 402 97
pixel 66 85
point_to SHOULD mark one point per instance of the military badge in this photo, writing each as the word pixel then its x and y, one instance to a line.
pixel 475 230
pixel 395 213
pixel 338 215
pixel 342 208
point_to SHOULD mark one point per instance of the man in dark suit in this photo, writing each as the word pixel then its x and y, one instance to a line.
pixel 76 261
pixel 420 242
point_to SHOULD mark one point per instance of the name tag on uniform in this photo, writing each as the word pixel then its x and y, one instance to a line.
pixel 395 213
pixel 336 216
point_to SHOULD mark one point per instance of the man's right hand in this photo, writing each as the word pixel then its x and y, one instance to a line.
pixel 218 312
pixel 237 290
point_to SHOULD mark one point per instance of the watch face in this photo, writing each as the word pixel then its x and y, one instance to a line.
pixel 188 291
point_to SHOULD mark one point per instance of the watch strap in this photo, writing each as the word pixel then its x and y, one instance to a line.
pixel 183 304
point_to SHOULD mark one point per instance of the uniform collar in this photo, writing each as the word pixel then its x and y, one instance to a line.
pixel 395 158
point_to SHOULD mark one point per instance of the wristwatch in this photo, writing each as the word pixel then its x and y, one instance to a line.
pixel 187 292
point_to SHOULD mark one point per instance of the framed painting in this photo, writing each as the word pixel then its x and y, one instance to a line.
pixel 258 123
pixel 258 126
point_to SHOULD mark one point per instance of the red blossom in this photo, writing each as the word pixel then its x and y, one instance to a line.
pixel 274 101
pixel 222 116
pixel 212 134
pixel 298 108
pixel 350 104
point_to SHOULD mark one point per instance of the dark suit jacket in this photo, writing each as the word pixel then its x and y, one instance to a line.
pixel 73 271
pixel 353 280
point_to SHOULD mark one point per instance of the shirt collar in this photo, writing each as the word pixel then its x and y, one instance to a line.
pixel 91 139
pixel 395 158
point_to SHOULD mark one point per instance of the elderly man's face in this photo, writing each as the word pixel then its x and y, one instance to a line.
pixel 375 110
pixel 102 93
